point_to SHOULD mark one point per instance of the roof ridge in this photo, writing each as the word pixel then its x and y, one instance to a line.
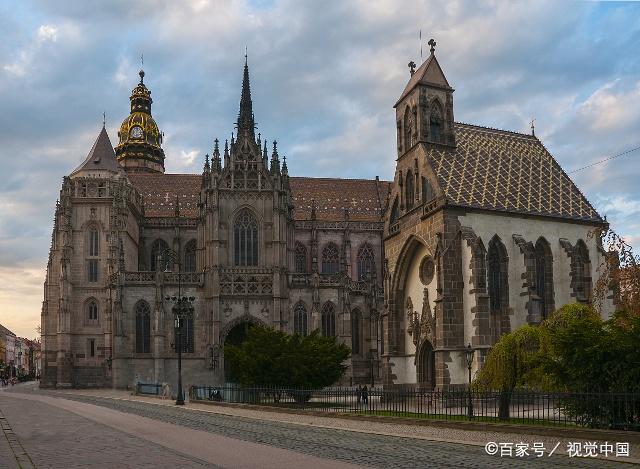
pixel 495 129
pixel 338 179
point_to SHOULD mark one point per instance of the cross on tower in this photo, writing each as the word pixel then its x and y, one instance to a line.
pixel 412 67
pixel 533 128
pixel 432 43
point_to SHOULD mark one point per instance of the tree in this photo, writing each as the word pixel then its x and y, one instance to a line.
pixel 273 358
pixel 515 361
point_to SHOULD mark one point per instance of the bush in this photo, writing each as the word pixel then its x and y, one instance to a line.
pixel 273 358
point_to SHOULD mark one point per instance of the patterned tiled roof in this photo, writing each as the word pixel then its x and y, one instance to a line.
pixel 506 171
pixel 159 193
pixel 365 198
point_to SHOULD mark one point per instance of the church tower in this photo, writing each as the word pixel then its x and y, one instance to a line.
pixel 424 112
pixel 139 149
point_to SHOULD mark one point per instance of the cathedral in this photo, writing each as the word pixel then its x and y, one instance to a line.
pixel 480 232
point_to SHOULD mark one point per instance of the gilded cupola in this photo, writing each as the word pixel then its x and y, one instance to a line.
pixel 140 145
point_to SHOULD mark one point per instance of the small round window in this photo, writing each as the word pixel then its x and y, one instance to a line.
pixel 427 269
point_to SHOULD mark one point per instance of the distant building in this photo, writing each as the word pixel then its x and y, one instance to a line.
pixel 7 350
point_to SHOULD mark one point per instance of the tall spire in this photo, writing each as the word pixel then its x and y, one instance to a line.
pixel 246 121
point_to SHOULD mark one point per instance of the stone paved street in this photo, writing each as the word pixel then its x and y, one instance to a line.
pixel 57 438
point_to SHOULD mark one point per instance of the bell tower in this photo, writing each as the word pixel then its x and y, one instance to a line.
pixel 139 149
pixel 424 111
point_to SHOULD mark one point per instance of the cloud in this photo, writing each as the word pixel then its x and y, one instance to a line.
pixel 324 80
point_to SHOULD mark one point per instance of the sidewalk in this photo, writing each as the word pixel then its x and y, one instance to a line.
pixel 424 431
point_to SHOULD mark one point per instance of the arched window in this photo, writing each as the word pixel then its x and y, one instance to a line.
pixel 480 267
pixel 395 212
pixel 92 253
pixel 408 187
pixel 92 311
pixel 408 129
pixel 581 273
pixel 435 122
pixel 245 239
pixel 94 242
pixel 159 248
pixel 497 266
pixel 300 254
pixel 300 319
pixel 190 256
pixel 428 193
pixel 330 259
pixel 143 327
pixel 544 277
pixel 328 320
pixel 356 330
pixel 366 261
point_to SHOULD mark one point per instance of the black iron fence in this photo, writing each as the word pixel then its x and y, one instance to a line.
pixel 595 410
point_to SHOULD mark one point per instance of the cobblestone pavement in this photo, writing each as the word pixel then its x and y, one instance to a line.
pixel 359 448
pixel 54 438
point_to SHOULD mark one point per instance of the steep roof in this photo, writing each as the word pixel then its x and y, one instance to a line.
pixel 101 156
pixel 159 193
pixel 429 73
pixel 365 198
pixel 506 171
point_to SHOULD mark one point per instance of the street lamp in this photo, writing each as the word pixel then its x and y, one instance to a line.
pixel 182 310
pixel 469 357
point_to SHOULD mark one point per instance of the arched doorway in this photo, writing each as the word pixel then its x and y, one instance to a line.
pixel 426 366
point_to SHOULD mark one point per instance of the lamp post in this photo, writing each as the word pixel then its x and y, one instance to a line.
pixel 182 310
pixel 469 357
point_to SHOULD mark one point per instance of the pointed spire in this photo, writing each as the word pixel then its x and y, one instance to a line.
pixel 265 154
pixel 285 170
pixel 206 163
pixel 226 153
pixel 101 156
pixel 275 160
pixel 216 156
pixel 246 123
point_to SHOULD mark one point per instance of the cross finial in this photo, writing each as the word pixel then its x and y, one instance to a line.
pixel 432 43
pixel 104 119
pixel 533 127
pixel 245 54
pixel 412 67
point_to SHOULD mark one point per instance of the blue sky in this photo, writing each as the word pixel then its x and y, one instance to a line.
pixel 324 80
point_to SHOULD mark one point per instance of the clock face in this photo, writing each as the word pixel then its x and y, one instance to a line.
pixel 136 132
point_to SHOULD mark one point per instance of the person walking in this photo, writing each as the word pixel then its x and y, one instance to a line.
pixel 359 393
pixel 365 395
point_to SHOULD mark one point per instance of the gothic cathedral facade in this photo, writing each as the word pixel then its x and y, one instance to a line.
pixel 480 232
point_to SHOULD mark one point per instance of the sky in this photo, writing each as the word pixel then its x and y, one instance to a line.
pixel 324 78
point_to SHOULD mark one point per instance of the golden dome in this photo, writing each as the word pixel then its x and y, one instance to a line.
pixel 140 141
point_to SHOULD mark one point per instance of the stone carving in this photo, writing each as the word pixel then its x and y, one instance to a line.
pixel 422 327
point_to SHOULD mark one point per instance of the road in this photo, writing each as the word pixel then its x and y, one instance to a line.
pixel 50 430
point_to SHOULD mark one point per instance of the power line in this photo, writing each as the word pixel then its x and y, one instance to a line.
pixel 605 160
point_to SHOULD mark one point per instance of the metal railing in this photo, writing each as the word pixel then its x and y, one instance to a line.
pixel 619 411
pixel 149 388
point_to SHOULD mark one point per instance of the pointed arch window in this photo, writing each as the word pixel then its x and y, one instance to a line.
pixel 330 259
pixel 91 310
pixel 409 191
pixel 245 239
pixel 544 276
pixel 435 122
pixel 300 254
pixel 190 256
pixel 92 253
pixel 408 129
pixel 366 261
pixel 480 268
pixel 328 320
pixel 356 330
pixel 581 273
pixel 428 193
pixel 143 327
pixel 497 276
pixel 300 319
pixel 395 212
pixel 159 250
